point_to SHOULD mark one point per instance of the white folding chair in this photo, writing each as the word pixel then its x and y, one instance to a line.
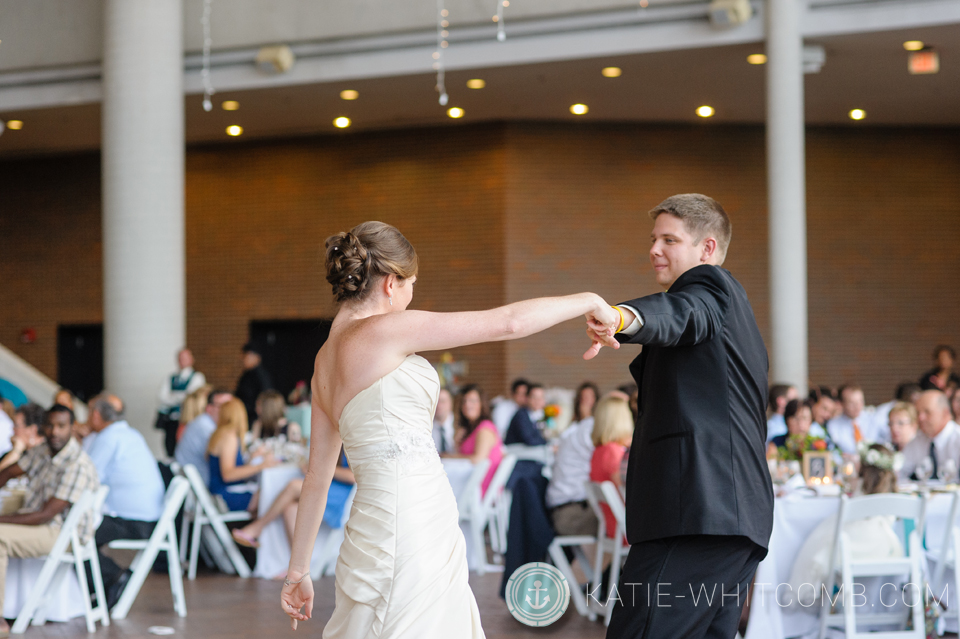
pixel 559 559
pixel 902 507
pixel 205 512
pixel 324 562
pixel 617 546
pixel 58 563
pixel 163 539
pixel 479 510
pixel 946 556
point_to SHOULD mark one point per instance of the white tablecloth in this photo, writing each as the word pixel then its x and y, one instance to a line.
pixel 794 518
pixel 63 605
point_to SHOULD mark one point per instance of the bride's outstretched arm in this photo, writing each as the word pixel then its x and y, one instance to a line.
pixel 414 331
pixel 324 453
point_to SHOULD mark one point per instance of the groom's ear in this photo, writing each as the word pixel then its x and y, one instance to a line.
pixel 709 250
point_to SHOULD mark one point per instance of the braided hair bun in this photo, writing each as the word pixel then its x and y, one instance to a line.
pixel 363 255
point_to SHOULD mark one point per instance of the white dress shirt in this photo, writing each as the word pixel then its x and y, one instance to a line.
pixel 571 465
pixel 125 464
pixel 776 426
pixel 169 398
pixel 946 444
pixel 503 411
pixel 842 432
pixel 443 435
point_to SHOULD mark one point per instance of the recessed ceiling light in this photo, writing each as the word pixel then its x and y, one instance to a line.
pixel 705 111
pixel 349 94
pixel 341 122
pixel 757 58
pixel 230 105
pixel 579 109
pixel 234 130
pixel 857 114
pixel 14 125
pixel 611 72
pixel 476 83
pixel 455 112
pixel 913 45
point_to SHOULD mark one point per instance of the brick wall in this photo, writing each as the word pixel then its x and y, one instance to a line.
pixel 501 212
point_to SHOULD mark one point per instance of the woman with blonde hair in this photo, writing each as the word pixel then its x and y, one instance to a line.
pixel 225 454
pixel 193 406
pixel 612 433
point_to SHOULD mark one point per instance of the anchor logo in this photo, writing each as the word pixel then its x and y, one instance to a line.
pixel 537 589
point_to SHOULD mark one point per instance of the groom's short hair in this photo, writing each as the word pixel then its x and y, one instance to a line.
pixel 702 216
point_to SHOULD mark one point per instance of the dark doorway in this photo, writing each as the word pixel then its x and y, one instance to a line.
pixel 289 348
pixel 80 359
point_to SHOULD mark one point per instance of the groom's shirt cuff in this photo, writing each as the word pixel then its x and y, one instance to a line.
pixel 631 328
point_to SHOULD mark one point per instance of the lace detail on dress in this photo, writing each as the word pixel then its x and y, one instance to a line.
pixel 412 448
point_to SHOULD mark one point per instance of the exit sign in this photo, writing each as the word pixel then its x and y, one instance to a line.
pixel 924 62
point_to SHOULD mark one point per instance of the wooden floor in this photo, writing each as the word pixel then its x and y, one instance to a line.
pixel 226 607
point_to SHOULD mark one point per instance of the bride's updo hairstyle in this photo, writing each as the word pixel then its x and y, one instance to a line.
pixel 358 258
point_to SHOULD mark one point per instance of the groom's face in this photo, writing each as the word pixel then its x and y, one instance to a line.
pixel 674 250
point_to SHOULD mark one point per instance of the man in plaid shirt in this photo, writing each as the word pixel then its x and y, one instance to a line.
pixel 58 473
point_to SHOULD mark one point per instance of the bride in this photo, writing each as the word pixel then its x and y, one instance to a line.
pixel 402 569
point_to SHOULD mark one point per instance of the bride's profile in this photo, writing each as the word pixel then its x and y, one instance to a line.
pixel 402 569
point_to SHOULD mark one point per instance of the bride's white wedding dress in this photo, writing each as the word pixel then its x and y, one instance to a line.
pixel 402 570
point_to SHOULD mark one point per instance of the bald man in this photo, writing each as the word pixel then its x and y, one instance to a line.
pixel 938 439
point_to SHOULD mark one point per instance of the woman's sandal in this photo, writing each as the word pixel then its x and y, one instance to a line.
pixel 244 539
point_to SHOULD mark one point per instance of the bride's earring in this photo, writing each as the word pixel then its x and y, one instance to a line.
pixel 391 300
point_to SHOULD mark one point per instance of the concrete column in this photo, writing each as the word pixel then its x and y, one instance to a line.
pixel 144 290
pixel 786 189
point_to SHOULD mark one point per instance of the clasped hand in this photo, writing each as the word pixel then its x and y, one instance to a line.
pixel 602 325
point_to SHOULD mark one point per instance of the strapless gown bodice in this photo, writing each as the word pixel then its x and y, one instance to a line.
pixel 402 569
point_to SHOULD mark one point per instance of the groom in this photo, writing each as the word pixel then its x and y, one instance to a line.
pixel 699 502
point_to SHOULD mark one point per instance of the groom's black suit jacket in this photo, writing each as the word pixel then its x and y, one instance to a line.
pixel 698 459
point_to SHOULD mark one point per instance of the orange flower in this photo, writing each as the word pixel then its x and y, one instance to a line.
pixel 819 444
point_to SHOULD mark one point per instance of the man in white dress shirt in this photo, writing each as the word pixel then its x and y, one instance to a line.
pixel 780 396
pixel 854 424
pixel 443 423
pixel 192 447
pixel 504 410
pixel 173 391
pixel 938 439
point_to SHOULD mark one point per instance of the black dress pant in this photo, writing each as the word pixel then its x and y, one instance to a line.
pixel 691 587
pixel 112 528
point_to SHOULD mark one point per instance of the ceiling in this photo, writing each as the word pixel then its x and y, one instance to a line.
pixel 866 71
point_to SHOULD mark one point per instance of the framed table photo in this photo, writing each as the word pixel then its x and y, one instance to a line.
pixel 817 464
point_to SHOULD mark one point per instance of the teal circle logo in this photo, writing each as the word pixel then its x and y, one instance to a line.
pixel 537 594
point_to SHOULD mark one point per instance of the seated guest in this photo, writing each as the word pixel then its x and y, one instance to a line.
pixel 505 409
pixel 632 393
pixel 903 424
pixel 823 404
pixel 192 407
pixel 443 423
pixel 938 439
pixel 6 429
pixel 955 405
pixel 566 492
pixel 125 464
pixel 271 416
pixel 523 429
pixel 612 433
pixel 905 392
pixel 286 504
pixel 476 435
pixel 192 447
pixel 225 457
pixel 64 398
pixel 872 538
pixel 779 395
pixel 854 424
pixel 799 418
pixel 58 472
pixel 941 376
pixel 27 426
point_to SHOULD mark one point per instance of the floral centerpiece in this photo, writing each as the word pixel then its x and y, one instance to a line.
pixel 550 414
pixel 796 445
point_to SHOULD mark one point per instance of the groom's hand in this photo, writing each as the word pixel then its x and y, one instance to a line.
pixel 602 324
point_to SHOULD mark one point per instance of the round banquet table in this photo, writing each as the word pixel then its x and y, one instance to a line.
pixel 794 518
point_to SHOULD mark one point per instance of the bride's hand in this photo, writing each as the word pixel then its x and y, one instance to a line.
pixel 602 324
pixel 297 596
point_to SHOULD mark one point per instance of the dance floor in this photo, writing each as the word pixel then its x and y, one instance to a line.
pixel 225 607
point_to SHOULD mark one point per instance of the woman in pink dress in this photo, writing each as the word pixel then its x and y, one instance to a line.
pixel 476 436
